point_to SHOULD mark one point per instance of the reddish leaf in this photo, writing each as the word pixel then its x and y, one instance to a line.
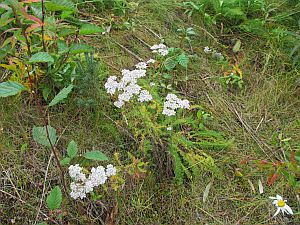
pixel 292 158
pixel 32 27
pixel 272 179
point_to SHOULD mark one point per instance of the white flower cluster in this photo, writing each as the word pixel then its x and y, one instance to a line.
pixel 128 85
pixel 215 54
pixel 160 49
pixel 83 184
pixel 173 103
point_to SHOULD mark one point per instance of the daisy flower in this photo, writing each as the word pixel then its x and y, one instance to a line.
pixel 281 205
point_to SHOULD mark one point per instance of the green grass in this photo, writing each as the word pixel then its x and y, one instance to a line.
pixel 269 103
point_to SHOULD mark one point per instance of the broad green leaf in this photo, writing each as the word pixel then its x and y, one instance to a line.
pixel 65 161
pixel 40 135
pixel 61 95
pixel 42 223
pixel 66 31
pixel 46 91
pixel 95 155
pixel 170 63
pixel 54 199
pixel 183 60
pixel 41 57
pixel 10 88
pixel 90 29
pixel 60 5
pixel 72 149
pixel 237 46
pixel 80 48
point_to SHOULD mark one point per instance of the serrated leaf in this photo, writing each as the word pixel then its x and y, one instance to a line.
pixel 10 88
pixel 65 161
pixel 40 135
pixel 206 191
pixel 61 95
pixel 95 155
pixel 72 149
pixel 66 31
pixel 90 29
pixel 60 5
pixel 80 48
pixel 41 57
pixel 170 63
pixel 237 46
pixel 54 199
pixel 183 60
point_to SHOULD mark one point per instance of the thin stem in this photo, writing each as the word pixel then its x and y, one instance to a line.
pixel 43 29
pixel 23 31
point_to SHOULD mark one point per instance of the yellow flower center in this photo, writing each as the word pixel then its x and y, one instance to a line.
pixel 281 203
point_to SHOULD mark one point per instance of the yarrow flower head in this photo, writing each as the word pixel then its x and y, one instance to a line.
pixel 281 205
pixel 145 96
pixel 160 49
pixel 141 65
pixel 150 61
pixel 111 170
pixel 173 103
pixel 83 185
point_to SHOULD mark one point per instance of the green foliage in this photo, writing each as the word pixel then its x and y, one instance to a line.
pixel 61 95
pixel 90 29
pixel 10 88
pixel 176 57
pixel 95 155
pixel 41 57
pixel 72 149
pixel 54 199
pixel 42 135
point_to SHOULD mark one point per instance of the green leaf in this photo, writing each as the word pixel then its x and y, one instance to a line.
pixel 42 223
pixel 95 155
pixel 90 29
pixel 61 95
pixel 54 199
pixel 237 46
pixel 80 48
pixel 183 60
pixel 72 149
pixel 65 161
pixel 46 91
pixel 170 63
pixel 10 88
pixel 60 5
pixel 40 135
pixel 41 57
pixel 66 32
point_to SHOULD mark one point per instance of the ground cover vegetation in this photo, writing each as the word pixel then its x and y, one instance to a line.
pixel 149 112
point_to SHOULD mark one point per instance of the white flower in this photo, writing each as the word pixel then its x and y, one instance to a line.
pixel 145 96
pixel 141 66
pixel 172 103
pixel 97 176
pixel 160 49
pixel 75 173
pixel 169 128
pixel 77 190
pixel 111 170
pixel 207 50
pixel 152 84
pixel 150 61
pixel 111 85
pixel 119 104
pixel 281 205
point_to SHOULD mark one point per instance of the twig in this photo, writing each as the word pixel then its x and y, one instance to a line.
pixel 12 183
pixel 22 201
pixel 151 31
pixel 51 144
pixel 251 132
pixel 121 127
pixel 209 34
pixel 142 41
pixel 44 187
pixel 127 50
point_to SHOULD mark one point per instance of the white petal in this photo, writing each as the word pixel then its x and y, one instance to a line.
pixel 278 197
pixel 278 210
pixel 288 209
pixel 272 198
